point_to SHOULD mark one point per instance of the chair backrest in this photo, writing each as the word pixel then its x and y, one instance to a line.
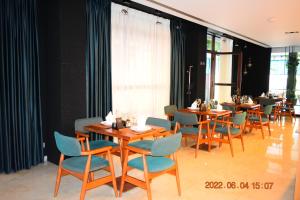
pixel 230 108
pixel 68 146
pixel 170 109
pixel 185 118
pixel 239 118
pixel 81 123
pixel 167 145
pixel 268 109
pixel 159 122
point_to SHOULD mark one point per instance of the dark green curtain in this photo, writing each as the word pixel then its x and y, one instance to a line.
pixel 21 142
pixel 98 58
pixel 177 63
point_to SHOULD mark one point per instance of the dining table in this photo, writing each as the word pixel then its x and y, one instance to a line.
pixel 212 113
pixel 124 135
pixel 241 106
pixel 203 115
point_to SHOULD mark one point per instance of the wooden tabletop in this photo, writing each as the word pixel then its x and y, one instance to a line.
pixel 216 113
pixel 241 106
pixel 124 133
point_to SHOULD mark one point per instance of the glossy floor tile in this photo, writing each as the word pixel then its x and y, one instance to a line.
pixel 267 167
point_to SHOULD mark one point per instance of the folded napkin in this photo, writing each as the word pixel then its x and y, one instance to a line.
pixel 141 122
pixel 110 117
pixel 263 94
pixel 250 101
pixel 194 104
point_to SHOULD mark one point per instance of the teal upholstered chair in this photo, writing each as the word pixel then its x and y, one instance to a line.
pixel 95 144
pixel 160 159
pixel 169 112
pixel 82 164
pixel 258 119
pixel 231 129
pixel 147 144
pixel 188 125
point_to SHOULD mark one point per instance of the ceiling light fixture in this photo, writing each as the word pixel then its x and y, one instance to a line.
pixel 292 32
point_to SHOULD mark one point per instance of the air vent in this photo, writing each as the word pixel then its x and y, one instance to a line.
pixel 292 32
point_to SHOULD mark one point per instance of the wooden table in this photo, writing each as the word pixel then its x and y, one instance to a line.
pixel 243 106
pixel 211 113
pixel 124 135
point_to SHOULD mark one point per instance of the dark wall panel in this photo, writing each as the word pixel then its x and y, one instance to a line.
pixel 62 38
pixel 196 39
pixel 256 80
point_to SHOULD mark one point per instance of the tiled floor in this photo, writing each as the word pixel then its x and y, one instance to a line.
pixel 271 161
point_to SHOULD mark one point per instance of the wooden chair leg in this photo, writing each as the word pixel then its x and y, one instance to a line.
pixel 177 175
pixel 58 177
pixel 146 175
pixel 124 172
pixel 220 143
pixel 85 177
pixel 197 146
pixel 91 176
pixel 242 140
pixel 269 129
pixel 186 143
pixel 112 171
pixel 262 131
pixel 230 143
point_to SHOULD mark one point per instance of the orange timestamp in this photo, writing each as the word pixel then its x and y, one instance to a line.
pixel 239 185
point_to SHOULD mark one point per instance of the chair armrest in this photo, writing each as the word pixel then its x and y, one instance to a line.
pixel 81 139
pixel 204 122
pixel 138 150
pixel 96 151
pixel 253 111
pixel 79 134
pixel 164 133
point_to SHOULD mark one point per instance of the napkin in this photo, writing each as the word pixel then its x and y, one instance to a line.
pixel 109 117
pixel 250 101
pixel 262 94
pixel 194 104
pixel 141 122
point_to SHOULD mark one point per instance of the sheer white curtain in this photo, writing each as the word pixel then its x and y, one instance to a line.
pixel 140 62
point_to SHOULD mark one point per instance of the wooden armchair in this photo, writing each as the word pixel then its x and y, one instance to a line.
pixel 83 164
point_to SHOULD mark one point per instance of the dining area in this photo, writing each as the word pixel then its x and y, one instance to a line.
pixel 120 99
pixel 150 145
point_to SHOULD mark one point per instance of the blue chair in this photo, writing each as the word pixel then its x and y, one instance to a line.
pixel 147 144
pixel 186 122
pixel 153 162
pixel 95 144
pixel 83 164
pixel 169 112
pixel 258 119
pixel 231 129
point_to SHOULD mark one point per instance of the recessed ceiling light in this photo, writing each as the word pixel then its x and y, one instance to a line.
pixel 291 32
pixel 271 19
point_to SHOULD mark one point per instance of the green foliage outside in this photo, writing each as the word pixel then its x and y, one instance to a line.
pixel 292 72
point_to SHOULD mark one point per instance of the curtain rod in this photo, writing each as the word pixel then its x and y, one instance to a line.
pixel 204 21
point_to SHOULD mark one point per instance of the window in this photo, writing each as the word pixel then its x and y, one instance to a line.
pixel 141 55
pixel 278 74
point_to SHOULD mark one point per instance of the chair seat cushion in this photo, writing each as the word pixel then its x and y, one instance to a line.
pixel 155 164
pixel 78 163
pixel 191 130
pixel 142 144
pixel 224 130
pixel 96 144
pixel 256 119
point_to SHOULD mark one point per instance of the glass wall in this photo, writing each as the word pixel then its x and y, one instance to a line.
pixel 278 74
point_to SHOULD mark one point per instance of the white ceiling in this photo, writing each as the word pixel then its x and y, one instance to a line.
pixel 264 21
